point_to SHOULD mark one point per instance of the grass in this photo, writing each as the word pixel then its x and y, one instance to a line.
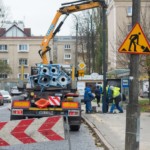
pixel 144 104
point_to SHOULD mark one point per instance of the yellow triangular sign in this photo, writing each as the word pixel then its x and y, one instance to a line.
pixel 135 42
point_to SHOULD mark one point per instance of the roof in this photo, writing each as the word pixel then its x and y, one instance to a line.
pixel 2 31
pixel 26 31
pixel 14 38
pixel 119 72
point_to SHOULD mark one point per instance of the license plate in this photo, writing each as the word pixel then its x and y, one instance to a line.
pixel 45 112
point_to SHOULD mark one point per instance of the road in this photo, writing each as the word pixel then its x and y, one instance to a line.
pixel 82 140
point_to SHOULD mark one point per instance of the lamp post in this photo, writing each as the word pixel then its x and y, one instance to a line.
pixel 76 47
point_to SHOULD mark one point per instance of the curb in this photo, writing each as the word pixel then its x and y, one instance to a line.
pixel 104 142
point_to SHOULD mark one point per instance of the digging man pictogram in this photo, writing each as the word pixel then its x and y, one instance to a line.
pixel 134 41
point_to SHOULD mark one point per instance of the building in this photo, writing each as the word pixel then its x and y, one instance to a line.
pixel 119 15
pixel 64 49
pixel 19 47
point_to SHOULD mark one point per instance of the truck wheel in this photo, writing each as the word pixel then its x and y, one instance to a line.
pixel 13 117
pixel 74 127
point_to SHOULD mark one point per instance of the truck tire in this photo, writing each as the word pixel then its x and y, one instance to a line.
pixel 74 127
pixel 13 117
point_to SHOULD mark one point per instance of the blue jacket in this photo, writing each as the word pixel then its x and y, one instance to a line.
pixel 88 96
pixel 98 91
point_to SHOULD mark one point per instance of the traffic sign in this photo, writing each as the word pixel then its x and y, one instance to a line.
pixel 125 83
pixel 82 65
pixel 135 42
pixel 80 73
pixel 31 130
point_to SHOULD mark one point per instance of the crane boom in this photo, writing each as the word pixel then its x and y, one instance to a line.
pixel 65 10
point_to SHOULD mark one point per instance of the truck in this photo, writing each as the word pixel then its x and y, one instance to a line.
pixel 51 89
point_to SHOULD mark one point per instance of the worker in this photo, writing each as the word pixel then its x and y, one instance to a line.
pixel 116 99
pixel 98 92
pixel 88 97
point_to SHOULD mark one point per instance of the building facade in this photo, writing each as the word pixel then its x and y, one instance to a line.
pixel 19 47
pixel 64 49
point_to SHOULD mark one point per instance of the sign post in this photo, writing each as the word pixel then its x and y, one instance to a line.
pixel 135 43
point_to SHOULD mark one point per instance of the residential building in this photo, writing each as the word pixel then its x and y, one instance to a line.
pixel 19 47
pixel 64 49
pixel 119 15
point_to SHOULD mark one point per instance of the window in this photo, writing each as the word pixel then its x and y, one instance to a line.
pixel 23 61
pixel 23 48
pixel 25 75
pixel 3 47
pixel 67 56
pixel 67 46
pixel 5 61
pixel 129 27
pixel 129 11
pixel 3 76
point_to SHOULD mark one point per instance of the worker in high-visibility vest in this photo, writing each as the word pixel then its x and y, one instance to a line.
pixel 116 99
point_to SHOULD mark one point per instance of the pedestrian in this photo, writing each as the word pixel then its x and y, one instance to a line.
pixel 98 92
pixel 116 99
pixel 88 97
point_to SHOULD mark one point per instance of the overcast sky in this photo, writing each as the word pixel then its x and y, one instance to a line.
pixel 38 14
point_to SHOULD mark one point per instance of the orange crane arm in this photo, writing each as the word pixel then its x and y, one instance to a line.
pixel 81 5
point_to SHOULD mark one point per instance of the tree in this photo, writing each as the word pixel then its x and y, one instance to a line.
pixel 90 39
pixel 5 68
pixel 4 13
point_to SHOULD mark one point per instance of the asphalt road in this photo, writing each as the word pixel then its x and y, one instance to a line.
pixel 82 140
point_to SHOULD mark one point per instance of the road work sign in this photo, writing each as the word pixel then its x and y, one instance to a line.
pixel 136 42
pixel 31 130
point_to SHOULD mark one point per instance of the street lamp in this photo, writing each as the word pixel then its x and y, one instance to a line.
pixel 76 48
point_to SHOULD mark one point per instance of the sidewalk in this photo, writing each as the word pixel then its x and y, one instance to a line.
pixel 111 128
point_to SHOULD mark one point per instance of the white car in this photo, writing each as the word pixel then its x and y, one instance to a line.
pixel 7 97
pixel 15 91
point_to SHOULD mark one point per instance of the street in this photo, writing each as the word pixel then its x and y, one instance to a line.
pixel 82 140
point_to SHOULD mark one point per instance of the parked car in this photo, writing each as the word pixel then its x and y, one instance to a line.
pixel 15 91
pixel 1 99
pixel 7 97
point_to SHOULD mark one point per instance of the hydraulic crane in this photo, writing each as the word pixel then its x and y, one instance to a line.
pixel 67 9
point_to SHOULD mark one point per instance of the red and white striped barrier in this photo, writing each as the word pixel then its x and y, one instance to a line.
pixel 54 100
pixel 31 130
